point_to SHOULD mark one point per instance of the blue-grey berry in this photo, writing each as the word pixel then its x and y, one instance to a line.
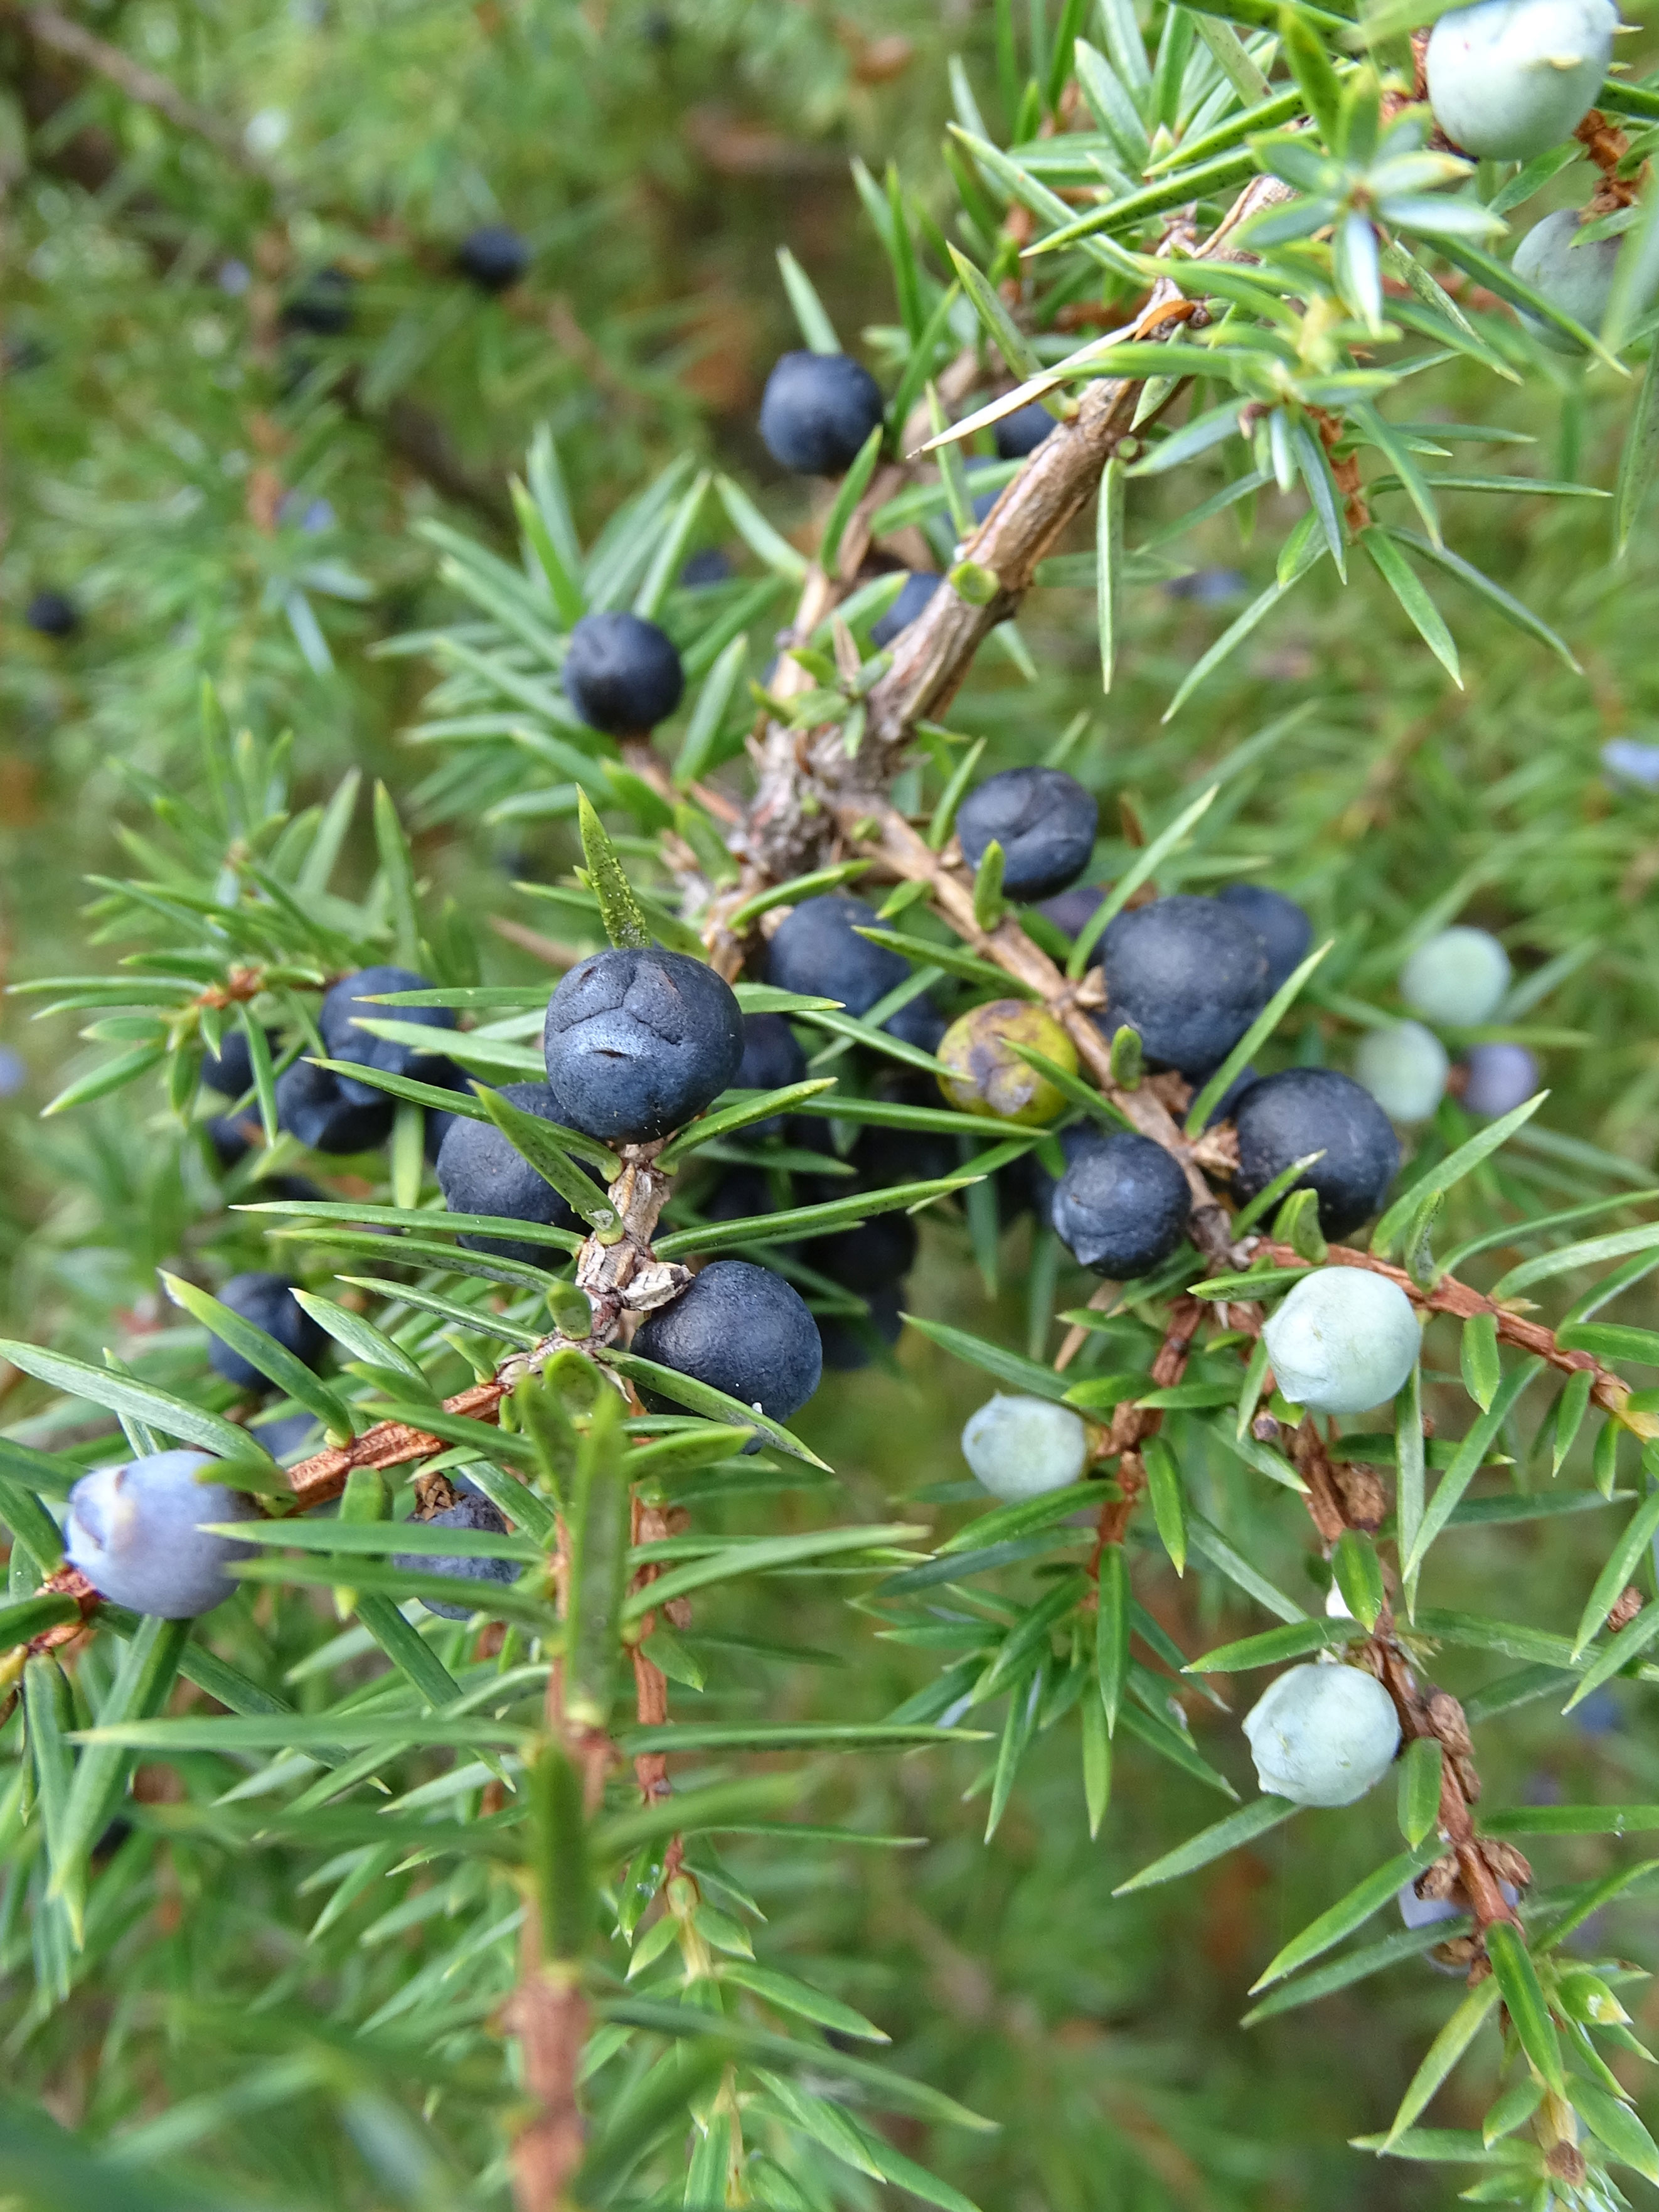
pixel 772 1060
pixel 470 1511
pixel 312 1107
pixel 919 588
pixel 493 257
pixel 1285 1117
pixel 1072 910
pixel 1285 930
pixel 1457 977
pixel 816 411
pixel 741 1329
pixel 1343 1341
pixel 1020 1446
pixel 638 1042
pixel 230 1070
pixel 1121 1206
pixel 622 674
pixel 1188 973
pixel 1573 273
pixel 1022 432
pixel 1322 1735
pixel 817 952
pixel 479 1172
pixel 138 1533
pixel 52 614
pixel 1044 821
pixel 1508 79
pixel 1497 1078
pixel 338 1023
pixel 268 1301
pixel 1404 1066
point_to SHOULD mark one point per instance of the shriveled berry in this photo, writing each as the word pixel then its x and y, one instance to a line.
pixel 1404 1066
pixel 817 410
pixel 1508 79
pixel 1285 930
pixel 268 1301
pixel 1458 977
pixel 138 1533
pixel 986 1076
pixel 622 674
pixel 637 1043
pixel 471 1511
pixel 1343 1341
pixel 1189 973
pixel 1020 1446
pixel 849 1344
pixel 1285 1117
pixel 1022 432
pixel 493 257
pixel 1121 1206
pixel 350 998
pixel 741 1329
pixel 1044 821
pixel 52 614
pixel 919 588
pixel 1498 1078
pixel 1322 1735
pixel 312 1106
pixel 772 1060
pixel 479 1172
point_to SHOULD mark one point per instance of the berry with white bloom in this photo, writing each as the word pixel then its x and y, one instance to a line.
pixel 1322 1735
pixel 1344 1341
pixel 136 1532
pixel 1459 977
pixel 1021 1447
pixel 1404 1066
pixel 1511 78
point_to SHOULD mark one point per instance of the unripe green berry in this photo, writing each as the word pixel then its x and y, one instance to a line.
pixel 1459 976
pixel 1510 78
pixel 986 1078
pixel 1021 1447
pixel 1344 1341
pixel 1322 1735
pixel 1404 1066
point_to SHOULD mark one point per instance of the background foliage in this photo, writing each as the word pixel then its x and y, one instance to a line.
pixel 163 464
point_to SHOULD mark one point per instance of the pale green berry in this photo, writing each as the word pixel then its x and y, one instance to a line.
pixel 1322 1735
pixel 1511 78
pixel 1404 1066
pixel 1574 273
pixel 1459 977
pixel 1344 1341
pixel 1021 1447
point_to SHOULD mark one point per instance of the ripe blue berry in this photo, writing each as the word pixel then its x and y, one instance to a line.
pixel 1508 79
pixel 639 1041
pixel 312 1106
pixel 1121 1206
pixel 920 587
pixel 743 1330
pixel 817 952
pixel 1322 1735
pixel 1188 973
pixel 52 614
pixel 1285 930
pixel 1498 1078
pixel 622 674
pixel 493 257
pixel 136 1533
pixel 268 1301
pixel 816 412
pixel 1023 431
pixel 337 1022
pixel 849 1344
pixel 1072 910
pixel 1040 1185
pixel 1019 1448
pixel 470 1511
pixel 1458 977
pixel 231 1140
pixel 1345 1339
pixel 230 1070
pixel 772 1060
pixel 1314 1109
pixel 1404 1066
pixel 867 1258
pixel 1044 821
pixel 479 1172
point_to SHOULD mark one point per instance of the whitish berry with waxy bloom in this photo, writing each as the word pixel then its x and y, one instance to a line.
pixel 1344 1341
pixel 138 1533
pixel 1511 78
pixel 1404 1066
pixel 1322 1735
pixel 1459 976
pixel 1021 1447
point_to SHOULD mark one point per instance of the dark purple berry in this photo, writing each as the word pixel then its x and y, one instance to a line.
pixel 1315 1109
pixel 920 587
pixel 52 614
pixel 1044 821
pixel 312 1106
pixel 622 674
pixel 493 257
pixel 1121 1206
pixel 1023 431
pixel 1285 930
pixel 268 1301
pixel 479 1172
pixel 1189 973
pixel 741 1329
pixel 816 412
pixel 338 1023
pixel 639 1041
